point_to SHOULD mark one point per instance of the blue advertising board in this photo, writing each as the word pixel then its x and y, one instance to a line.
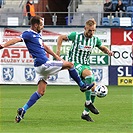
pixel 116 73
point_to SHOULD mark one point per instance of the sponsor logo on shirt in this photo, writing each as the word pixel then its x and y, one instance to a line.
pixel 85 48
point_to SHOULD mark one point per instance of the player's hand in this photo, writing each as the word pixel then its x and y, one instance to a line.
pixel 110 53
pixel 1 47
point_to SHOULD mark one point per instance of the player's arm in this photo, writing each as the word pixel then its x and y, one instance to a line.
pixel 48 50
pixel 106 50
pixel 59 43
pixel 11 42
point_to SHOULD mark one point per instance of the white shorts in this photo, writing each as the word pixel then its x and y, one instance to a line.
pixel 47 69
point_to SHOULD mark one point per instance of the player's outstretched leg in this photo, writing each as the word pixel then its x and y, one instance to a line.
pixel 20 115
pixel 83 87
pixel 21 111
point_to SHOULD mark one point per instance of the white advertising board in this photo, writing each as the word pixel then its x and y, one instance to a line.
pixel 17 65
pixel 122 55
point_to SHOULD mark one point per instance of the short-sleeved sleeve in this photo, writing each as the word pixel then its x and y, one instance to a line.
pixel 26 35
pixel 99 43
pixel 72 36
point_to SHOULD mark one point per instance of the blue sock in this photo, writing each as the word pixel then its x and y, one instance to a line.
pixel 35 96
pixel 73 73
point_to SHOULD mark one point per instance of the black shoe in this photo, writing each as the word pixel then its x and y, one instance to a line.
pixel 92 108
pixel 20 115
pixel 87 87
pixel 86 117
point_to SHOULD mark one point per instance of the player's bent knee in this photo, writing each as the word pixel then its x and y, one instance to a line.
pixel 68 65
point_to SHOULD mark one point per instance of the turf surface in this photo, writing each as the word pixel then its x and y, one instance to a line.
pixel 59 110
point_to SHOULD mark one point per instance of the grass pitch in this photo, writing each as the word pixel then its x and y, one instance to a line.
pixel 59 110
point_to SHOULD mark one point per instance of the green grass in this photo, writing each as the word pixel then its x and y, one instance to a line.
pixel 59 110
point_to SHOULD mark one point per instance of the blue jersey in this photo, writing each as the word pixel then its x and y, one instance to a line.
pixel 33 41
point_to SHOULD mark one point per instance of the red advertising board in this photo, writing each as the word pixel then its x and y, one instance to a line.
pixel 120 36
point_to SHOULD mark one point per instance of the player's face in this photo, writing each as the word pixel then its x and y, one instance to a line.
pixel 89 30
pixel 40 26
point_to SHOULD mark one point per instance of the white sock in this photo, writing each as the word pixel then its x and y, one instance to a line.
pixel 85 112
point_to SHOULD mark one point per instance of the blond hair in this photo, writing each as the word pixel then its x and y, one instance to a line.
pixel 91 22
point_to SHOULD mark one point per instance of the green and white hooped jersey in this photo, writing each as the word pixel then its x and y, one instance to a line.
pixel 81 48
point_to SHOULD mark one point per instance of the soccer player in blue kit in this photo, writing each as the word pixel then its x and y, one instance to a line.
pixel 43 66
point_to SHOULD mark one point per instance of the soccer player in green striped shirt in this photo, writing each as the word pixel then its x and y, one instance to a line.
pixel 79 54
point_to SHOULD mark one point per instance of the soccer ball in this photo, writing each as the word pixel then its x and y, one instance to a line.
pixel 101 91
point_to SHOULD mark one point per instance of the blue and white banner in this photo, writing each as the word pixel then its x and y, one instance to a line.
pixel 14 74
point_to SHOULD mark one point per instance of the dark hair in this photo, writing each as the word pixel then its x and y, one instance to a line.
pixel 35 20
